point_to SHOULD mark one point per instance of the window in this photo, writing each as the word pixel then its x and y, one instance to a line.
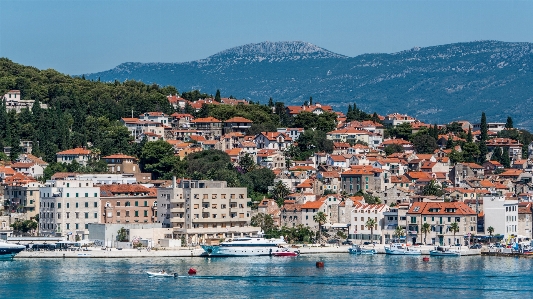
pixel 68 205
pixel 86 204
pixel 241 215
pixel 127 204
pixel 136 203
pixel 58 215
pixel 76 204
pixel 95 195
pixel 86 226
pixel 196 206
pixel 68 225
pixel 95 215
pixel 59 205
pixel 355 219
pixel 127 213
pixel 77 215
pixel 145 213
pixel 68 215
pixel 77 194
pixel 145 203
pixel 96 204
pixel 86 194
pixel 68 194
pixel 86 215
pixel 118 203
pixel 136 213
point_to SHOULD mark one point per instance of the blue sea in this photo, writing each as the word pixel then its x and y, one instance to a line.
pixel 343 276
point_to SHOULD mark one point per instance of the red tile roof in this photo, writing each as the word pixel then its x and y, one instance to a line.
pixel 75 151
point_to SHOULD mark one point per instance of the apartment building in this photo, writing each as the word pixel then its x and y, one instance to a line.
pixel 67 207
pixel 124 203
pixel 199 210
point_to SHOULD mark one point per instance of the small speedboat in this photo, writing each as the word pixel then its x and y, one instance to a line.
pixel 161 274
pixel 285 252
pixel 356 249
pixel 444 251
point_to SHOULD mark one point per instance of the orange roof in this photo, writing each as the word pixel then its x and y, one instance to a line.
pixel 206 120
pixel 511 172
pixel 22 165
pixel 75 151
pixel 124 188
pixel 313 204
pixel 440 208
pixel 119 156
pixel 238 119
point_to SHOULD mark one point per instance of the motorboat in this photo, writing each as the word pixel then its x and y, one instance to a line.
pixel 161 274
pixel 444 251
pixel 8 250
pixel 356 249
pixel 401 249
pixel 285 252
pixel 247 246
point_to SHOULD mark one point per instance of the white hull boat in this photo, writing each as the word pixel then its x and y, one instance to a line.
pixel 161 274
pixel 248 246
pixel 8 250
pixel 444 251
pixel 401 249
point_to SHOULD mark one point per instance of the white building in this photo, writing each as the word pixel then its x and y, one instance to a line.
pixel 501 213
pixel 201 210
pixel 359 216
pixel 67 207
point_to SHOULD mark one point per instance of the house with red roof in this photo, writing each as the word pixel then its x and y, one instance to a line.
pixel 271 159
pixel 272 140
pixel 209 127
pixel 79 154
pixel 237 124
pixel 395 119
pixel 360 215
pixel 310 209
pixel 28 168
pixel 127 203
pixel 293 133
pixel 21 194
pixel 181 120
pixel 315 109
pixel 440 216
pixel 513 147
pixel 362 178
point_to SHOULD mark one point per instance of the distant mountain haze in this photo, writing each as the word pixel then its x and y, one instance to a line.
pixel 435 84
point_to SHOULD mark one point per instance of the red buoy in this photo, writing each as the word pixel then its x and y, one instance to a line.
pixel 192 271
pixel 320 264
pixel 425 259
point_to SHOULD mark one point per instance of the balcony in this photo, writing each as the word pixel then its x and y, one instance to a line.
pixel 177 210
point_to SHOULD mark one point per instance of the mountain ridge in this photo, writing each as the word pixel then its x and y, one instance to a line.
pixel 438 83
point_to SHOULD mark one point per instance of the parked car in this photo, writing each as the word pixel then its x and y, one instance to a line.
pixel 347 242
pixel 333 241
pixel 367 243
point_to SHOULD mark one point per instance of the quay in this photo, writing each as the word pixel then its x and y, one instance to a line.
pixel 93 252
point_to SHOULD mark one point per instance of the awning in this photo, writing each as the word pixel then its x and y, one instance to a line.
pixel 339 225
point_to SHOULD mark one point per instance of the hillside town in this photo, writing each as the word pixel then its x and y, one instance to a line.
pixel 372 185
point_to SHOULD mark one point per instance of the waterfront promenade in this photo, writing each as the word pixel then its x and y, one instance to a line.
pixel 93 252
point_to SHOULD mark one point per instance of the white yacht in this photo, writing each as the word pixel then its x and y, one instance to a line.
pixel 8 250
pixel 401 249
pixel 247 246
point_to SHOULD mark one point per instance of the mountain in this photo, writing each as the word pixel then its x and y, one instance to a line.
pixel 436 84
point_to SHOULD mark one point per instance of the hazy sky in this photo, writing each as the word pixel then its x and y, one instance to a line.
pixel 87 36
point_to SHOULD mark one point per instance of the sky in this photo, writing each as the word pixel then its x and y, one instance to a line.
pixel 87 36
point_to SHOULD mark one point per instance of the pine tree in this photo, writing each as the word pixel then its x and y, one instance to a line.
pixel 497 154
pixel 469 137
pixel 270 102
pixel 449 143
pixel 506 161
pixel 509 123
pixel 483 139
pixel 217 96
pixel 311 101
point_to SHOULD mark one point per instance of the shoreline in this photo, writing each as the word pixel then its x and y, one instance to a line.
pixel 92 252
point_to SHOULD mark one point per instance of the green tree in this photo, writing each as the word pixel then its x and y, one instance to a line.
pixel 270 102
pixel 279 192
pixel 432 188
pixel 370 224
pixel 425 144
pixel 393 148
pixel 158 158
pixel 449 143
pixel 490 230
pixel 122 235
pixel 506 160
pixel 217 96
pixel 264 221
pixel 246 163
pixel 509 123
pixel 399 232
pixel 426 228
pixel 321 219
pixel 484 136
pixel 454 227
pixel 24 226
pixel 470 152
pixel 497 154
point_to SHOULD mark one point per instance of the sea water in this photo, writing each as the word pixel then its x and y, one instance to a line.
pixel 343 276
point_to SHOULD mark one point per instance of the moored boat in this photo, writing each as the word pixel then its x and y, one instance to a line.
pixel 285 252
pixel 401 249
pixel 247 246
pixel 356 249
pixel 8 250
pixel 444 251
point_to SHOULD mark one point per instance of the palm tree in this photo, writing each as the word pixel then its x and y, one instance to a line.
pixel 320 218
pixel 490 230
pixel 370 223
pixel 426 228
pixel 454 227
pixel 398 232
